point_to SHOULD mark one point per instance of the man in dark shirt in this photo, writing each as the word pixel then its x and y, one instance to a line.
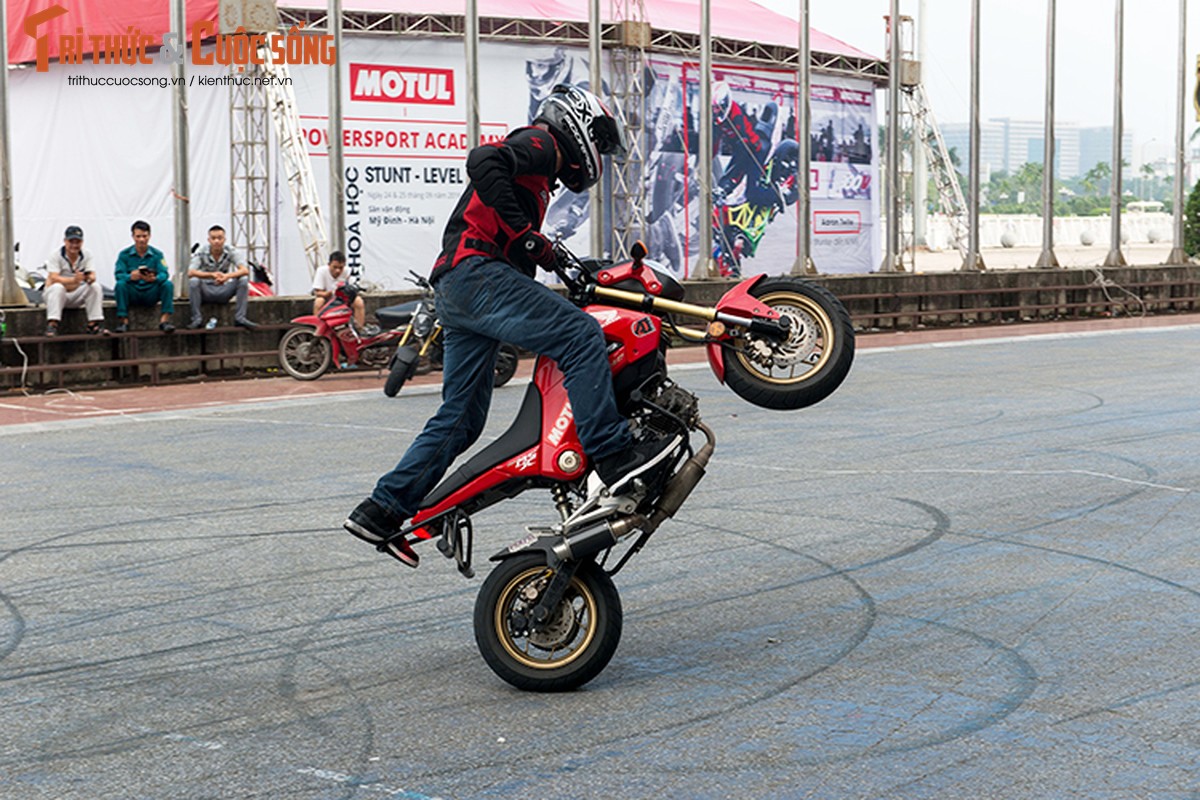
pixel 487 294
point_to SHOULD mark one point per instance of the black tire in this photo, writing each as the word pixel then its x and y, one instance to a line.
pixel 806 368
pixel 506 364
pixel 399 374
pixel 304 355
pixel 573 651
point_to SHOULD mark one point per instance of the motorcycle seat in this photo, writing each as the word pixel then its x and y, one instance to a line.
pixel 397 315
pixel 524 433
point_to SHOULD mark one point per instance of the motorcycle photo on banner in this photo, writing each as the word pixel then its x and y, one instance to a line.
pixel 756 171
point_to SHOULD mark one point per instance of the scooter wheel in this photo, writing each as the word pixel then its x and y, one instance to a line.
pixel 304 355
pixel 570 649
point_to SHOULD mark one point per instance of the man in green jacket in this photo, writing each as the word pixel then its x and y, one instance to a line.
pixel 143 280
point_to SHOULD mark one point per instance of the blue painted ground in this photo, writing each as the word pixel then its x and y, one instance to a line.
pixel 972 573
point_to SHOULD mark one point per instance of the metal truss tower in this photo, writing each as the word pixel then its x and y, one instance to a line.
pixel 250 171
pixel 629 97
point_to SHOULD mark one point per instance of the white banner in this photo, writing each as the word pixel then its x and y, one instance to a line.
pixel 99 155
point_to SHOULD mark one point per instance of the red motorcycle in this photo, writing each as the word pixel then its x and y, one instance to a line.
pixel 548 617
pixel 327 338
pixel 409 344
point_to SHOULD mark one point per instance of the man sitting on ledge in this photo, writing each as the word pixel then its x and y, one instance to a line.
pixel 217 275
pixel 143 280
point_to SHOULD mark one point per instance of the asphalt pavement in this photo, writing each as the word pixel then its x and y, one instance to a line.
pixel 971 573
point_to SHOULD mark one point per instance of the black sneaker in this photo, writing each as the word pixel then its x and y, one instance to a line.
pixel 247 324
pixel 372 523
pixel 617 469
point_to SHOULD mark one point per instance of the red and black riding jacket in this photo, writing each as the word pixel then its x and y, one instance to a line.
pixel 511 183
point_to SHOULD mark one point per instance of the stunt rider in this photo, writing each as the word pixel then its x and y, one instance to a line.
pixel 487 294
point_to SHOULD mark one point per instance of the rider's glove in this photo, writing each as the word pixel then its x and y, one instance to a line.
pixel 537 249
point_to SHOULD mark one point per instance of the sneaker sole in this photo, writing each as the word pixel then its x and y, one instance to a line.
pixel 408 559
pixel 361 532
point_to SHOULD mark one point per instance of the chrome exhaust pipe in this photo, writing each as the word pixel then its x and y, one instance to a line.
pixel 604 535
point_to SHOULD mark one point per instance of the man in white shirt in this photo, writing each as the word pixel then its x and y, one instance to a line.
pixel 71 283
pixel 325 283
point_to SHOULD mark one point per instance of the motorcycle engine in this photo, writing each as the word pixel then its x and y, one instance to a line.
pixel 375 357
pixel 669 404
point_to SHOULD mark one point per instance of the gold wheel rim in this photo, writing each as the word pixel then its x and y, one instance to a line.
pixel 825 336
pixel 577 590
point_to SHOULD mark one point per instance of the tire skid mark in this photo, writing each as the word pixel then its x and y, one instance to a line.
pixel 287 686
pixel 941 525
pixel 18 627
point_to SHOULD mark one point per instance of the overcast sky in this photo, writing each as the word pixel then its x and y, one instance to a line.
pixel 1013 65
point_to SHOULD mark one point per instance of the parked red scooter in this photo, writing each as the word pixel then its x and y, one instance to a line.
pixel 548 617
pixel 327 338
pixel 410 343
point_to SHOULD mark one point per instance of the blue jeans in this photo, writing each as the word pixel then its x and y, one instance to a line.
pixel 482 303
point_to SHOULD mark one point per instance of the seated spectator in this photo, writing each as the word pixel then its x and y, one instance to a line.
pixel 217 275
pixel 325 283
pixel 71 283
pixel 143 280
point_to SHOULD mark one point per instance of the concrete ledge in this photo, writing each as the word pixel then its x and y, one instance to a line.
pixel 899 301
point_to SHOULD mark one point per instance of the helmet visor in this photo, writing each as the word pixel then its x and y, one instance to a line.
pixel 608 136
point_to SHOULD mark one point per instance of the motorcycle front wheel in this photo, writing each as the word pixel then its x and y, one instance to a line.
pixel 506 364
pixel 575 644
pixel 400 369
pixel 304 355
pixel 810 364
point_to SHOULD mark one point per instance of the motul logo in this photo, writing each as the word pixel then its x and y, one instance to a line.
pixel 380 83
pixel 565 417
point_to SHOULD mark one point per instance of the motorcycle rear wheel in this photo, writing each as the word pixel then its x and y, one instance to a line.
pixel 506 364
pixel 806 368
pixel 568 652
pixel 304 355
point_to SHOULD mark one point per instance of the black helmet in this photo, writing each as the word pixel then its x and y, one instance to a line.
pixel 584 130
pixel 786 159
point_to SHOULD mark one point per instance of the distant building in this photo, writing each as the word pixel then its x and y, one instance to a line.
pixel 1095 147
pixel 1005 145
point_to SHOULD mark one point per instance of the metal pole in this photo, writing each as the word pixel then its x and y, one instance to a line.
pixel 471 43
pixel 1115 257
pixel 179 131
pixel 337 161
pixel 804 263
pixel 891 257
pixel 974 259
pixel 1047 258
pixel 920 167
pixel 704 121
pixel 10 290
pixel 1178 254
pixel 596 210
